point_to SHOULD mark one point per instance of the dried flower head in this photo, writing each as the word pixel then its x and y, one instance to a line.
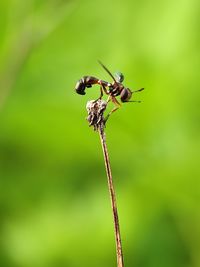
pixel 95 109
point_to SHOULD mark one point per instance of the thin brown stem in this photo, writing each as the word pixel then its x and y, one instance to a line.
pixel 95 109
pixel 120 261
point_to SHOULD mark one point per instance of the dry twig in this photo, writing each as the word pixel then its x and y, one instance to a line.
pixel 96 119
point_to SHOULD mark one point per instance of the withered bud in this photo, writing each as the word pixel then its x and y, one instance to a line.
pixel 95 109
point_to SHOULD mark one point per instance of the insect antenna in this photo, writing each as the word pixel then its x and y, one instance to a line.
pixel 137 90
pixel 107 70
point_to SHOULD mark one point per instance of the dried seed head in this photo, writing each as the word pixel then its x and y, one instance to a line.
pixel 95 109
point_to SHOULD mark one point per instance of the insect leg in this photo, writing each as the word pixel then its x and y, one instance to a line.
pixel 137 101
pixel 105 90
pixel 113 110
pixel 102 89
pixel 103 85
pixel 101 92
pixel 115 101
pixel 117 106
pixel 108 100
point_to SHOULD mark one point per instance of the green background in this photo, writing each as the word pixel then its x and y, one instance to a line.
pixel 54 202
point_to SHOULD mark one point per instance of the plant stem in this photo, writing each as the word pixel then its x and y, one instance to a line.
pixel 120 261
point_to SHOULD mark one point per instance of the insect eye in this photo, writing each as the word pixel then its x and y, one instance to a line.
pixel 119 77
pixel 125 94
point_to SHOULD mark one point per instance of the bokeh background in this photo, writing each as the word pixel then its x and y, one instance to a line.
pixel 54 202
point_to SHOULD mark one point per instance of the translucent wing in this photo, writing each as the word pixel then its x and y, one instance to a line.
pixel 106 70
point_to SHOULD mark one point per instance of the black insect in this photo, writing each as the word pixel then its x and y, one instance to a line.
pixel 114 89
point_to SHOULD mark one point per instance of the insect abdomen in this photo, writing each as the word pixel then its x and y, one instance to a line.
pixel 85 82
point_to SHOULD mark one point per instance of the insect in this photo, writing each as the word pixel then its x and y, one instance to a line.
pixel 114 89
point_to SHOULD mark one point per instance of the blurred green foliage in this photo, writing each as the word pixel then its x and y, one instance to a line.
pixel 54 202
